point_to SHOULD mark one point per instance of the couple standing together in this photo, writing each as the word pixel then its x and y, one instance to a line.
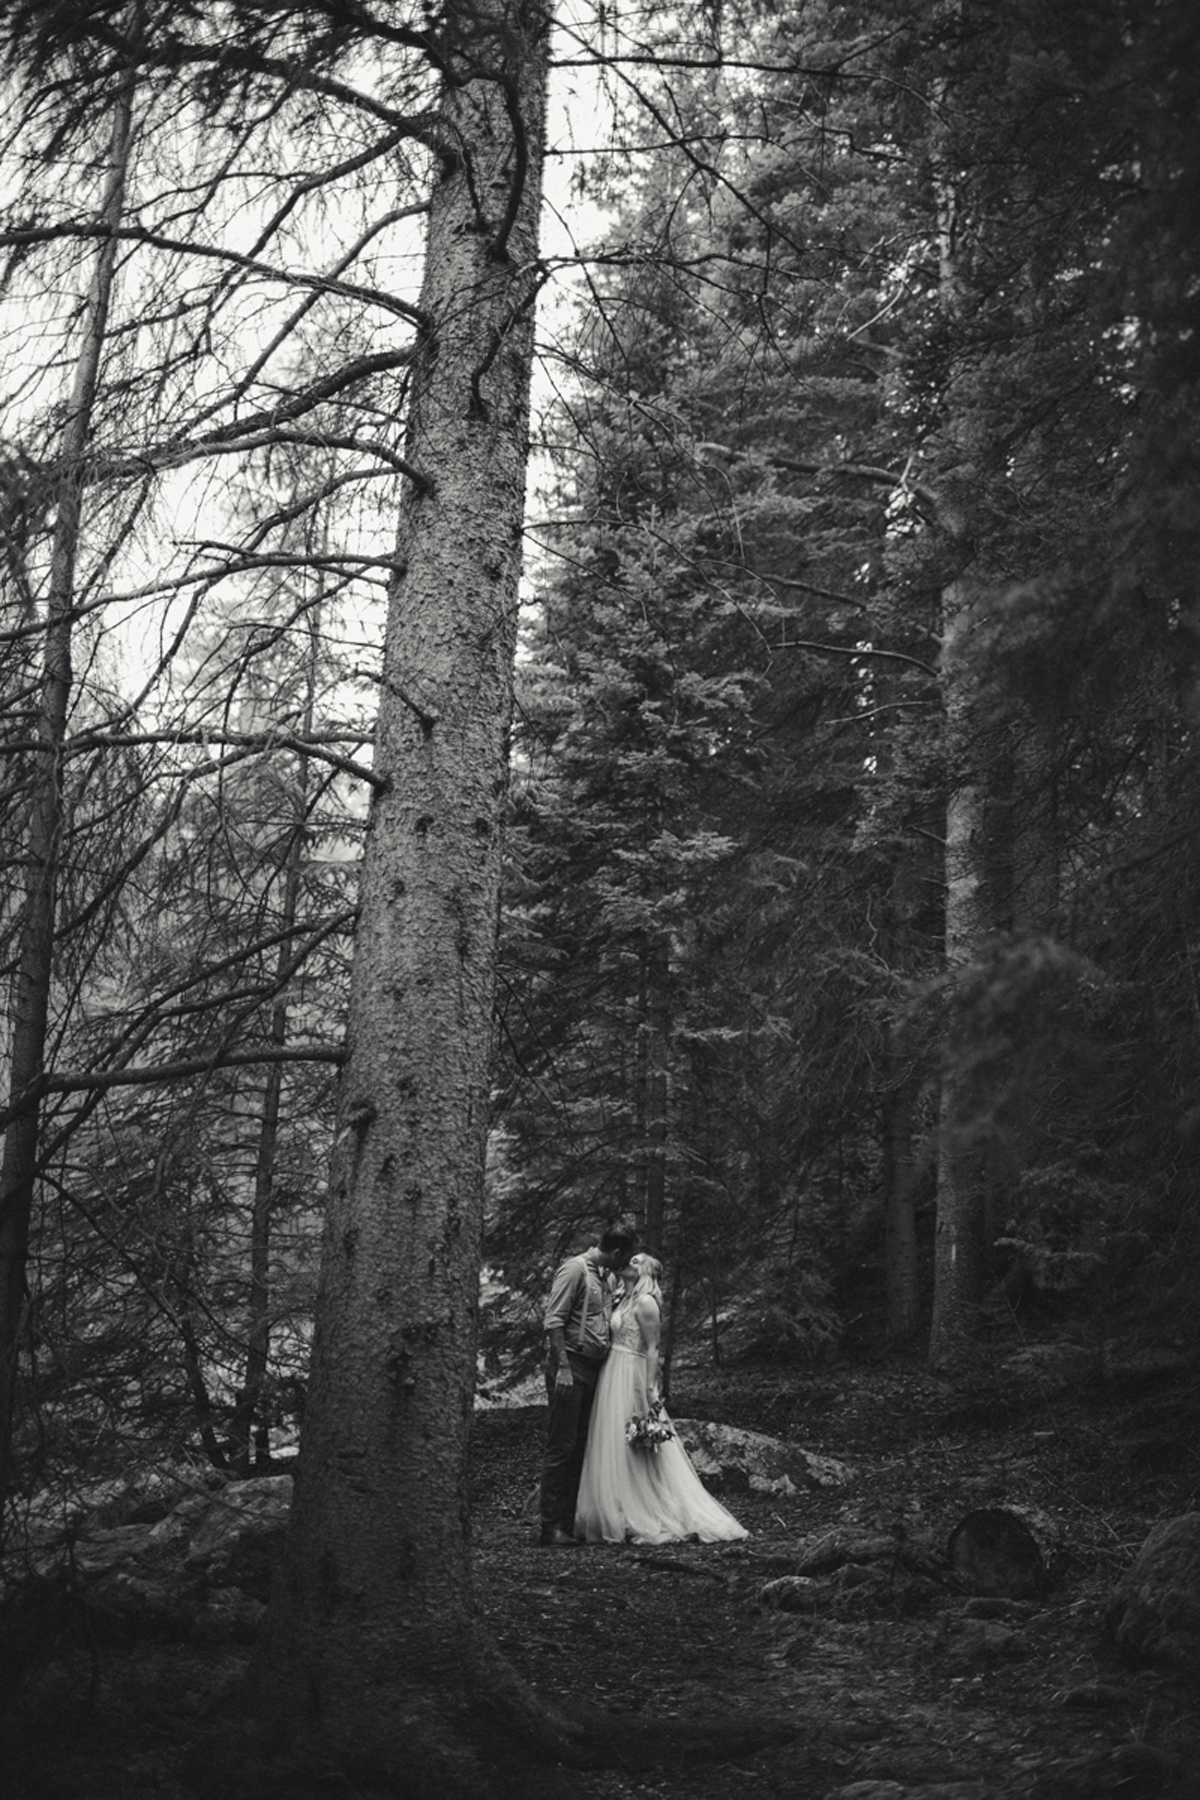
pixel 602 1371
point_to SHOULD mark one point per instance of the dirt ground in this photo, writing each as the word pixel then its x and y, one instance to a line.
pixel 888 1678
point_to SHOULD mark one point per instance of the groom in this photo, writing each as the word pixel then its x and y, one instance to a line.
pixel 577 1334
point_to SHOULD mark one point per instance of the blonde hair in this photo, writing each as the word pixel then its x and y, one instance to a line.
pixel 649 1276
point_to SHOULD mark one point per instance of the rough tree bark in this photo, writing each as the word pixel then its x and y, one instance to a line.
pixel 47 817
pixel 959 1245
pixel 370 1633
pixel 959 1240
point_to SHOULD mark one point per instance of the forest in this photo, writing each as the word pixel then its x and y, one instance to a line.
pixel 599 620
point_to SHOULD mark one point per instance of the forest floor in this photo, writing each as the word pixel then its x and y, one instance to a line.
pixel 884 1681
pixel 887 1680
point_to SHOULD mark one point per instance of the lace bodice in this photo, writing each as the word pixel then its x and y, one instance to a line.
pixel 626 1332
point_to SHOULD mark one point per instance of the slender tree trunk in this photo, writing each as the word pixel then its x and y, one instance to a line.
pixel 652 1062
pixel 959 1240
pixel 371 1631
pixel 250 1433
pixel 900 1232
pixel 714 1324
pixel 959 1244
pixel 43 849
pixel 667 1345
pixel 250 1450
pixel 1037 836
pixel 914 871
pixel 202 1406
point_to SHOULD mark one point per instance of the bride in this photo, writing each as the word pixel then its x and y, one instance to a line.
pixel 628 1493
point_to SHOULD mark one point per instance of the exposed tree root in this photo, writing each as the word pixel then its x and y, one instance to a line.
pixel 515 1727
pixel 485 1734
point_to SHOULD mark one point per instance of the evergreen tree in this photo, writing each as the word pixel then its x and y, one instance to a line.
pixel 692 751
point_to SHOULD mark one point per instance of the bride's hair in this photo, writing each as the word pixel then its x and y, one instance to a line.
pixel 649 1275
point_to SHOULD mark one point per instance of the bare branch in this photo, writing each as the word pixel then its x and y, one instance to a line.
pixel 914 662
pixel 26 237
pixel 250 741
pixel 81 1081
pixel 248 432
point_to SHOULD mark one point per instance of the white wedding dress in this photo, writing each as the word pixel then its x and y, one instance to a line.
pixel 631 1495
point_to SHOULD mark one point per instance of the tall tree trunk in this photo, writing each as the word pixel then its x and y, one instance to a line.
pixel 43 848
pixel 899 1219
pixel 371 1631
pixel 249 1430
pixel 915 870
pixel 959 1240
pixel 653 1053
pixel 1037 836
pixel 250 1449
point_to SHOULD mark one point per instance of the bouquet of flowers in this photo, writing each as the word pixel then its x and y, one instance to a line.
pixel 649 1430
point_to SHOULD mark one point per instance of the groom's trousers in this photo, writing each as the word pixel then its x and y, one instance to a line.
pixel 566 1441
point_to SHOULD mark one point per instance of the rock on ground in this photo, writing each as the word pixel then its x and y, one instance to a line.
pixel 750 1459
pixel 200 1574
pixel 234 1542
pixel 896 1790
pixel 1154 1613
pixel 992 1551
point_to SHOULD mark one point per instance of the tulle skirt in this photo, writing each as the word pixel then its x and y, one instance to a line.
pixel 637 1495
